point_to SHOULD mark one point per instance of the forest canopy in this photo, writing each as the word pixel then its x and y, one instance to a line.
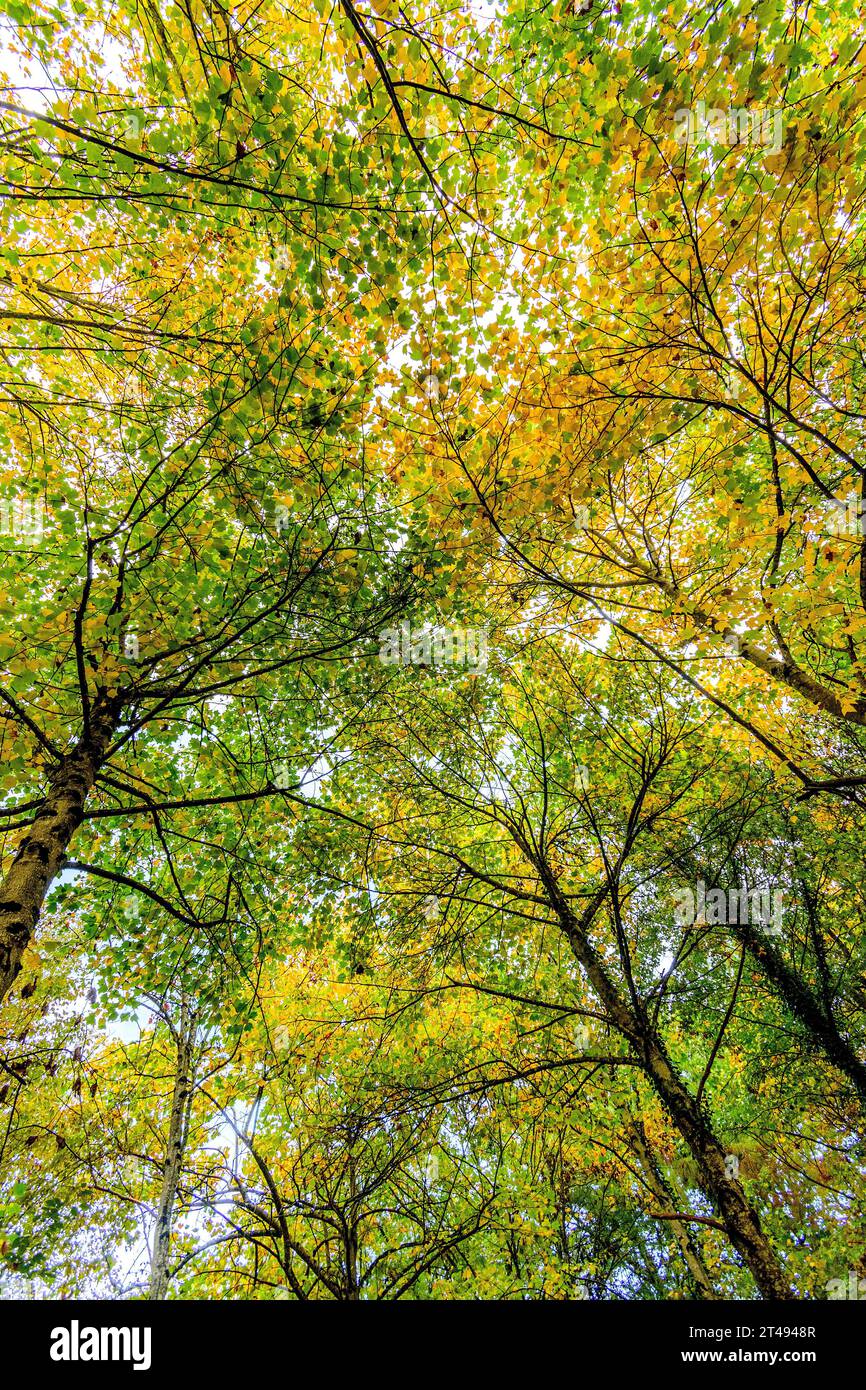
pixel 433 644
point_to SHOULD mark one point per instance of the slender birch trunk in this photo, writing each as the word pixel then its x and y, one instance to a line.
pixel 181 1103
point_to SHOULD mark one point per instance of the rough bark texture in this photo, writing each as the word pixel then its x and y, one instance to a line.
pixel 43 846
pixel 177 1131
pixel 666 1198
pixel 740 1220
pixel 807 1009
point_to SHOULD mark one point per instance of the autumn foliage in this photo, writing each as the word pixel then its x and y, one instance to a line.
pixel 433 544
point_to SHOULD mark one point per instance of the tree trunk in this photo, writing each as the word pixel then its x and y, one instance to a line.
pixel 353 1292
pixel 666 1198
pixel 782 669
pixel 812 1012
pixel 40 854
pixel 177 1131
pixel 726 1193
pixel 806 1008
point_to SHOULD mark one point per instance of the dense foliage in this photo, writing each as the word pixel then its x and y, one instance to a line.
pixel 433 511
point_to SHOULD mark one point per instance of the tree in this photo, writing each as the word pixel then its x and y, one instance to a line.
pixel 432 712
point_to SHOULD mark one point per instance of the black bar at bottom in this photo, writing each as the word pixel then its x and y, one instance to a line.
pixel 69 1342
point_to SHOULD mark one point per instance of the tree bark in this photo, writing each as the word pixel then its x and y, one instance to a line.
pixel 806 1008
pixel 726 1193
pixel 43 846
pixel 783 669
pixel 666 1198
pixel 181 1102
